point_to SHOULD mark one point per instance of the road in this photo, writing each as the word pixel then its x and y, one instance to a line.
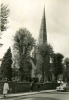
pixel 43 96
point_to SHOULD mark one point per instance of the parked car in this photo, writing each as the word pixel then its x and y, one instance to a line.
pixel 59 81
pixel 63 87
pixel 66 88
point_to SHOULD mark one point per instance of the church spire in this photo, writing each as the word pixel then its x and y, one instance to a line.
pixel 43 34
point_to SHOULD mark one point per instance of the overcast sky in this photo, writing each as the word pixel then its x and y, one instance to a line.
pixel 28 13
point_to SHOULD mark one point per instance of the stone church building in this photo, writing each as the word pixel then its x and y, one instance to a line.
pixel 37 58
pixel 42 39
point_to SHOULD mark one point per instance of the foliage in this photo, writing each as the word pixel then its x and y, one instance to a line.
pixel 66 61
pixel 58 66
pixel 6 68
pixel 26 70
pixel 35 79
pixel 66 69
pixel 23 44
pixel 4 13
pixel 45 50
pixel 15 73
pixel 4 16
pixel 0 74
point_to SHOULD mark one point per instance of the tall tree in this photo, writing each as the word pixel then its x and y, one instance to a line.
pixel 45 50
pixel 6 66
pixel 23 44
pixel 66 69
pixel 58 65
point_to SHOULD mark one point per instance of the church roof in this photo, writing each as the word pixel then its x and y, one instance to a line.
pixel 43 33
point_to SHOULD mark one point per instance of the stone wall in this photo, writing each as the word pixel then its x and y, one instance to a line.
pixel 17 87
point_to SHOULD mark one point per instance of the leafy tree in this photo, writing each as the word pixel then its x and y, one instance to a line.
pixel 4 16
pixel 0 74
pixel 15 74
pixel 4 13
pixel 66 61
pixel 27 70
pixel 66 69
pixel 45 50
pixel 6 68
pixel 58 66
pixel 14 70
pixel 23 44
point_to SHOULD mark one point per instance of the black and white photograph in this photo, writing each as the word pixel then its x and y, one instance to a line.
pixel 34 49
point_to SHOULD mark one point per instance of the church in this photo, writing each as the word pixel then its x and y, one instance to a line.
pixel 42 39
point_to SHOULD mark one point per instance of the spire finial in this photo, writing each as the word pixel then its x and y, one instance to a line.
pixel 44 11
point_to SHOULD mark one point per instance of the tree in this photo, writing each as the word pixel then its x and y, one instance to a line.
pixel 15 72
pixel 66 69
pixel 4 16
pixel 0 74
pixel 27 70
pixel 45 50
pixel 6 66
pixel 23 44
pixel 4 13
pixel 57 66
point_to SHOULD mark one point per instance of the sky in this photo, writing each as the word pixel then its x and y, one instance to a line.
pixel 28 14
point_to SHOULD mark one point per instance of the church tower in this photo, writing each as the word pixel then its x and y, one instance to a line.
pixel 42 39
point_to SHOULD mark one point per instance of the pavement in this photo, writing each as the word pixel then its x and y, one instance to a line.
pixel 31 93
pixel 26 93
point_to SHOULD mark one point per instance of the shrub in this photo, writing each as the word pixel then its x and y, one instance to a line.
pixel 35 79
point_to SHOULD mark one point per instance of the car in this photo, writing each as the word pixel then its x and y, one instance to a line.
pixel 66 88
pixel 62 87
